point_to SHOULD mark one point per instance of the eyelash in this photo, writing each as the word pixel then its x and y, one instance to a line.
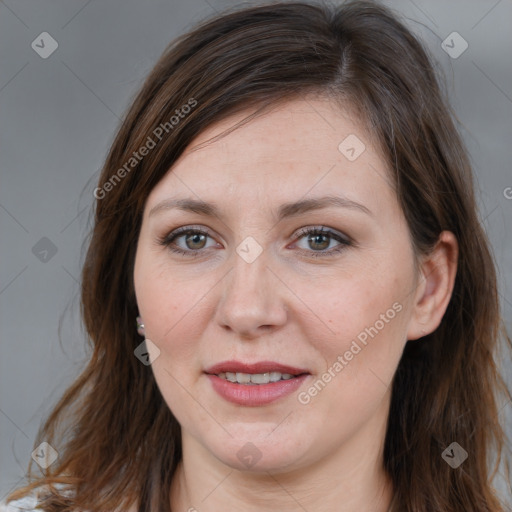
pixel 344 241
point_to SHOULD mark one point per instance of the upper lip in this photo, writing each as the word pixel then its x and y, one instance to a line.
pixel 259 367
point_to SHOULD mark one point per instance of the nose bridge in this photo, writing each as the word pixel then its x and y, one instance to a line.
pixel 250 298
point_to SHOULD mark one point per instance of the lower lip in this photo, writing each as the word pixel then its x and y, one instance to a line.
pixel 256 394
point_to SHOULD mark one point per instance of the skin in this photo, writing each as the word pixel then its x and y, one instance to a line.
pixel 286 306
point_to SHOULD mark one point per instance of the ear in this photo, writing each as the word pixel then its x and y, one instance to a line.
pixel 434 290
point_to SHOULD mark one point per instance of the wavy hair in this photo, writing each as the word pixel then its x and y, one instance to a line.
pixel 119 443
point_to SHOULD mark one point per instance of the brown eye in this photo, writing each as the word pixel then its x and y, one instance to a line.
pixel 195 240
pixel 320 241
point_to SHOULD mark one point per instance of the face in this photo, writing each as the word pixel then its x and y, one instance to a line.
pixel 269 282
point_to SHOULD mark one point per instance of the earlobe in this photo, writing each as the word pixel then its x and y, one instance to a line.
pixel 438 271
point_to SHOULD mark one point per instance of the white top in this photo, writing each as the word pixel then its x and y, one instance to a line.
pixel 29 502
pixel 26 504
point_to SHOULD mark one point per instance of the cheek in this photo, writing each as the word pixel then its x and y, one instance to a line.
pixel 172 308
pixel 169 301
pixel 363 324
pixel 360 358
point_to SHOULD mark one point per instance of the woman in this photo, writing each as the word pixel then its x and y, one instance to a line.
pixel 287 218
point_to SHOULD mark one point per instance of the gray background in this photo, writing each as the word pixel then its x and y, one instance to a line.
pixel 60 114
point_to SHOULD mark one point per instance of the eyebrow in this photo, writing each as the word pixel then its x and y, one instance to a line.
pixel 286 210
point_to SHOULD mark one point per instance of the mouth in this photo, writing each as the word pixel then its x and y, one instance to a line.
pixel 254 384
pixel 262 372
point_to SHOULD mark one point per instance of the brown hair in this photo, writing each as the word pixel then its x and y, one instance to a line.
pixel 117 439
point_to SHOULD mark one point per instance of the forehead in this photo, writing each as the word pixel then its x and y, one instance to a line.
pixel 309 129
pixel 300 147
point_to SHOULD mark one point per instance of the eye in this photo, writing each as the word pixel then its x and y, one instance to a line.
pixel 319 239
pixel 192 241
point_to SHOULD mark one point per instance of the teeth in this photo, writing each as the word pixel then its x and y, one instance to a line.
pixel 254 378
pixel 260 378
pixel 243 378
pixel 275 376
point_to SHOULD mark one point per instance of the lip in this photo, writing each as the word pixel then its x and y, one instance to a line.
pixel 259 394
pixel 259 367
pixel 256 395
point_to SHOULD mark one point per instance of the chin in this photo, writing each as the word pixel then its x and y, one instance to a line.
pixel 257 452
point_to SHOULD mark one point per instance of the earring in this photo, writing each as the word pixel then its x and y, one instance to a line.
pixel 140 326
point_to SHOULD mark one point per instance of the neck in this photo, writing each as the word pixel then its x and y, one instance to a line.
pixel 233 490
pixel 348 480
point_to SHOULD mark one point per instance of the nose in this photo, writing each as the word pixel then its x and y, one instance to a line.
pixel 252 301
